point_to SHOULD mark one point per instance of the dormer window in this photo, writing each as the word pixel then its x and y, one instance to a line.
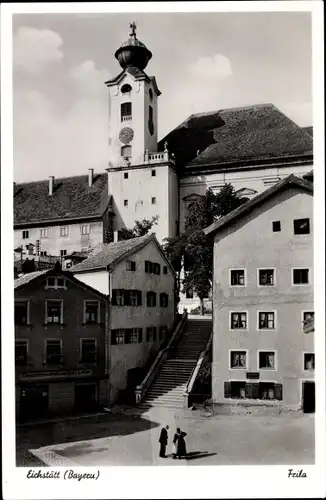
pixel 125 88
pixel 126 111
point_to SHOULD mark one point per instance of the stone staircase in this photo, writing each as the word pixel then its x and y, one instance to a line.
pixel 171 381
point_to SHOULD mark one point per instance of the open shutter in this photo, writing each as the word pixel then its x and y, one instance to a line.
pixel 154 333
pixel 147 298
pixel 255 391
pixel 128 333
pixel 151 267
pixel 154 299
pixel 227 389
pixel 146 266
pixel 148 333
pixel 140 335
pixel 278 391
pixel 114 298
pixel 249 390
pixel 133 266
pixel 126 294
pixel 113 337
pixel 139 294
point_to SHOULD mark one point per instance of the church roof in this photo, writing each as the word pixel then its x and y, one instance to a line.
pixel 72 198
pixel 231 136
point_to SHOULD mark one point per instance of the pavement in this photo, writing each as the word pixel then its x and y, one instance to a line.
pixel 132 439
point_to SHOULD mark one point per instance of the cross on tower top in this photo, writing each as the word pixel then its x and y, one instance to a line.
pixel 133 29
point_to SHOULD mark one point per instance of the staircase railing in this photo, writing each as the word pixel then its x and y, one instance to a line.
pixel 202 358
pixel 159 360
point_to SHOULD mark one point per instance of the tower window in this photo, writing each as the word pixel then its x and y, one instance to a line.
pixel 125 88
pixel 126 151
pixel 125 203
pixel 153 173
pixel 150 93
pixel 126 111
pixel 125 175
pixel 153 200
pixel 150 113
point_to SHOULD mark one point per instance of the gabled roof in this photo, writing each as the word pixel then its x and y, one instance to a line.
pixel 309 130
pixel 261 198
pixel 72 198
pixel 229 137
pixel 137 74
pixel 112 253
pixel 28 278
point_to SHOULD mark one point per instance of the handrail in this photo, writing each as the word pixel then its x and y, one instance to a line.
pixel 160 358
pixel 196 369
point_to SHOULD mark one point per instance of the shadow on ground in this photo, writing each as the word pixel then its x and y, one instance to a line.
pixel 95 427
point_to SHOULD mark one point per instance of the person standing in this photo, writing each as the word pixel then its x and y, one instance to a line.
pixel 181 445
pixel 163 441
pixel 175 443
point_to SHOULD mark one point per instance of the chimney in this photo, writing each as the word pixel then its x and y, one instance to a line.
pixel 90 177
pixel 51 183
pixel 115 236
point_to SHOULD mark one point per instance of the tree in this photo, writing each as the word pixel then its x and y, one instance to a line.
pixel 193 248
pixel 141 228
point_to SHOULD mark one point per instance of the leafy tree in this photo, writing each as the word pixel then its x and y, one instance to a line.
pixel 141 228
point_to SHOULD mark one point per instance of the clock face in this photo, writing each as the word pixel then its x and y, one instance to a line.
pixel 126 135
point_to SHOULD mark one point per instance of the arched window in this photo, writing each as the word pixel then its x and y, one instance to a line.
pixel 125 88
pixel 150 92
pixel 126 110
pixel 126 151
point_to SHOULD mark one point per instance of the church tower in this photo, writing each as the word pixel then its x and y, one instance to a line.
pixel 142 181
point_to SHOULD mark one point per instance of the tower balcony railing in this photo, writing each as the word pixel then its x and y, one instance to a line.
pixel 158 157
pixel 126 118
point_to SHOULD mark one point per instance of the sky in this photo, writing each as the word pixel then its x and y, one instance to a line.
pixel 202 62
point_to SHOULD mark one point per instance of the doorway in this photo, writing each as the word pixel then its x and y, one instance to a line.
pixel 308 396
pixel 85 396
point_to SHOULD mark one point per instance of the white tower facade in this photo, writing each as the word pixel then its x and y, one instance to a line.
pixel 142 181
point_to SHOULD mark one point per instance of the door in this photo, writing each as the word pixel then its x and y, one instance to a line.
pixel 85 396
pixel 308 397
pixel 34 402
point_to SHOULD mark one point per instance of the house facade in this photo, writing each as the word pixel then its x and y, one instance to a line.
pixel 60 345
pixel 263 353
pixel 140 282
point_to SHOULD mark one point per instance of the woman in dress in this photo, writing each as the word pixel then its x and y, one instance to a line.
pixel 181 446
pixel 175 443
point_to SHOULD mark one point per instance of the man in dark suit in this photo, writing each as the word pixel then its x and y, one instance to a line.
pixel 163 441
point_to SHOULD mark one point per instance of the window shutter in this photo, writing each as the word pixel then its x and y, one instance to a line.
pixel 157 269
pixel 126 294
pixel 248 390
pixel 146 266
pixel 148 332
pixel 113 337
pixel 133 266
pixel 278 391
pixel 227 389
pixel 147 298
pixel 139 293
pixel 114 298
pixel 127 335
pixel 151 267
pixel 154 333
pixel 140 335
pixel 255 391
pixel 154 299
pixel 161 299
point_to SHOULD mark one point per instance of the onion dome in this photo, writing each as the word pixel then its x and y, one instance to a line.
pixel 133 52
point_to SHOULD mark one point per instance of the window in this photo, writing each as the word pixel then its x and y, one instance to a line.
pixel 134 336
pixel 301 226
pixel 125 203
pixel 164 300
pixel 238 321
pixel 266 360
pixel 238 359
pixel 91 312
pixel 25 235
pixel 131 265
pixel 152 267
pixel 126 152
pixel 63 253
pixel 43 253
pixel 151 334
pixel 44 233
pixel 85 229
pixel 276 226
pixel 117 336
pixel 126 175
pixel 21 312
pixel 63 231
pixel 151 299
pixel 307 315
pixel 300 276
pixel 150 93
pixel 126 111
pixel 189 293
pixel 53 311
pixel 266 277
pixel 55 283
pixel 21 350
pixel 266 320
pixel 118 297
pixel 163 332
pixel 135 297
pixel 255 390
pixel 53 352
pixel 237 390
pixel 125 88
pixel 88 350
pixel 153 200
pixel 266 390
pixel 309 361
pixel 165 269
pixel 237 277
pixel 153 173
pixel 157 268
